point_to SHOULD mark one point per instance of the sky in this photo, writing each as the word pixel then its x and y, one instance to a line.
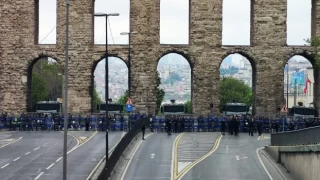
pixel 174 21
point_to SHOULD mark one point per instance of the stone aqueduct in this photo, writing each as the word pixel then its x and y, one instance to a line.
pixel 267 53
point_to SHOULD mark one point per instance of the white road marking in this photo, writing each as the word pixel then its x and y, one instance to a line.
pixel 5 166
pixel 16 159
pixel 134 152
pixel 59 159
pixel 263 166
pixel 36 148
pixel 227 149
pixel 44 144
pixel 152 155
pixel 38 176
pixel 10 142
pixel 50 166
pixel 238 158
pixel 77 146
pixel 27 153
pixel 104 157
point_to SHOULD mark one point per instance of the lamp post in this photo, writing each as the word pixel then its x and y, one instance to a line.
pixel 66 96
pixel 106 76
pixel 287 85
pixel 129 60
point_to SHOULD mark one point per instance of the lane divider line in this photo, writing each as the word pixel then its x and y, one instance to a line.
pixel 58 159
pixel 104 158
pixel 76 147
pixel 190 166
pixel 173 155
pixel 10 143
pixel 50 166
pixel 27 153
pixel 5 166
pixel 262 164
pixel 36 148
pixel 44 144
pixel 16 159
pixel 38 176
pixel 134 152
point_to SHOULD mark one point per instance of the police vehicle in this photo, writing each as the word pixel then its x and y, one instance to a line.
pixel 172 108
pixel 240 109
pixel 303 112
pixel 47 107
pixel 113 108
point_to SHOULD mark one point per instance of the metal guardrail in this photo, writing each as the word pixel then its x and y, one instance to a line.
pixel 306 136
pixel 121 147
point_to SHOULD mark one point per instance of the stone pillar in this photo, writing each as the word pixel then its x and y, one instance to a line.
pixel 144 18
pixel 17 41
pixel 80 48
pixel 269 28
pixel 205 42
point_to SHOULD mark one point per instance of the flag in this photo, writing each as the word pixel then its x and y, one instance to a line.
pixel 306 88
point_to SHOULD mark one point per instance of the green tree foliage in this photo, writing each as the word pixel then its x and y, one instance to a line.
pixel 315 43
pixel 188 107
pixel 39 89
pixel 234 89
pixel 46 81
pixel 96 99
pixel 159 92
pixel 123 99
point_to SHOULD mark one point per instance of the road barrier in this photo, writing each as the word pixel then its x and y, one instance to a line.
pixel 121 147
pixel 306 136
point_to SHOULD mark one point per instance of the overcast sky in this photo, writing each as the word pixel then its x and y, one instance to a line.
pixel 174 21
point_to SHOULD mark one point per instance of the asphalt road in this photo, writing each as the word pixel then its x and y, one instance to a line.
pixel 39 155
pixel 153 158
pixel 235 158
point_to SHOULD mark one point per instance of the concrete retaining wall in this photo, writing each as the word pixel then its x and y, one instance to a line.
pixel 302 162
pixel 302 166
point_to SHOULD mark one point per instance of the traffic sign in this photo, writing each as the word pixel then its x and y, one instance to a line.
pixel 129 107
pixel 129 101
pixel 284 109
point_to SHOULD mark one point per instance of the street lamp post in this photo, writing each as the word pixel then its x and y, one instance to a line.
pixel 287 85
pixel 129 60
pixel 66 96
pixel 129 67
pixel 106 77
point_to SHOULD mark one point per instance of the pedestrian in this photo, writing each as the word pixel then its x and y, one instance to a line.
pixel 223 127
pixel 251 127
pixel 169 126
pixel 143 129
pixel 87 123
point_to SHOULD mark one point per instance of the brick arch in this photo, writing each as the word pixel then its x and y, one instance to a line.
pixel 304 53
pixel 29 68
pixel 94 66
pixel 187 57
pixel 182 53
pixel 310 56
pixel 253 63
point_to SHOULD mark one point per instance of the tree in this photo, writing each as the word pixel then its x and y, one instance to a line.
pixel 315 43
pixel 159 92
pixel 234 89
pixel 39 89
pixel 96 99
pixel 188 107
pixel 123 99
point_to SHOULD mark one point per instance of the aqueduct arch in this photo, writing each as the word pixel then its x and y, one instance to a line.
pixel 17 34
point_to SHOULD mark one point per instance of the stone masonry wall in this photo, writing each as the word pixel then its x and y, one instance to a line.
pixel 268 52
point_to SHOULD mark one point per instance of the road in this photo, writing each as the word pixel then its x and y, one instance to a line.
pixel 153 158
pixel 200 156
pixel 38 155
pixel 235 158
